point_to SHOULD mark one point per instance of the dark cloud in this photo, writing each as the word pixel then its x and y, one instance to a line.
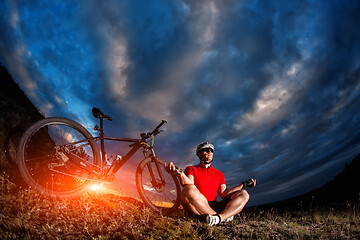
pixel 274 85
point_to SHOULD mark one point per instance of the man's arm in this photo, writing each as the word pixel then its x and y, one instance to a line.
pixel 184 180
pixel 223 192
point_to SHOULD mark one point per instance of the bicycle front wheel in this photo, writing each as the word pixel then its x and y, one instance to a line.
pixel 54 155
pixel 164 196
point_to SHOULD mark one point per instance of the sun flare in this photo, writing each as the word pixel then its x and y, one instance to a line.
pixel 96 187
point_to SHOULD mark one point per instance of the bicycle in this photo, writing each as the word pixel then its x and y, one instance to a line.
pixel 59 157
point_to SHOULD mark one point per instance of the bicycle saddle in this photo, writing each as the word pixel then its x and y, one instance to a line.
pixel 97 113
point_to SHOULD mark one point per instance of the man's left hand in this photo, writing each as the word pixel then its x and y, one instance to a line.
pixel 249 183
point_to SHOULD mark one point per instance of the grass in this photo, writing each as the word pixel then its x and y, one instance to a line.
pixel 26 214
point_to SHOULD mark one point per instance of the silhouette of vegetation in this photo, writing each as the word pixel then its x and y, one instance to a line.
pixel 17 114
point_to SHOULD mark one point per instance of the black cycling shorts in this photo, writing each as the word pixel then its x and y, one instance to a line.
pixel 219 206
pixel 215 205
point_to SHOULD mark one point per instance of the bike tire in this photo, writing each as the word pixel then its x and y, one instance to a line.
pixel 39 162
pixel 164 200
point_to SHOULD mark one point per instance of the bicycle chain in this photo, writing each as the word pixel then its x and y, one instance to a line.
pixel 51 165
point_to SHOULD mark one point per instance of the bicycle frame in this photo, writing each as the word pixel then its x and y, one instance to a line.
pixel 115 166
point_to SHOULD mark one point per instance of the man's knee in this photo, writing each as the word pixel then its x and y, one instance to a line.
pixel 189 189
pixel 243 194
pixel 189 192
pixel 246 195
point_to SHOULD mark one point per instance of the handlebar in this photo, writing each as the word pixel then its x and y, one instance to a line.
pixel 155 132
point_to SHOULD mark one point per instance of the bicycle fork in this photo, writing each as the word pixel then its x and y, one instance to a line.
pixel 156 183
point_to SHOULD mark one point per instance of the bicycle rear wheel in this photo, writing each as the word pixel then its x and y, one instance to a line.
pixel 160 196
pixel 49 153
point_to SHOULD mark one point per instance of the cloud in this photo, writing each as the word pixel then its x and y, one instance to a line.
pixel 167 88
pixel 273 84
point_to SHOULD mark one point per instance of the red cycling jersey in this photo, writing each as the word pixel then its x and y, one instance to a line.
pixel 207 180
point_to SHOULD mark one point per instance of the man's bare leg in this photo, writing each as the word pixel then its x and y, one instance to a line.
pixel 236 205
pixel 194 201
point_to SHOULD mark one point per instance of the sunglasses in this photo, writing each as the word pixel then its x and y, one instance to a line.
pixel 207 150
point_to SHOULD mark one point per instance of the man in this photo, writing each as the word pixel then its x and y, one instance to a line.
pixel 202 182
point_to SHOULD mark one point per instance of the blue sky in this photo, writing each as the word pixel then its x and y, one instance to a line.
pixel 274 85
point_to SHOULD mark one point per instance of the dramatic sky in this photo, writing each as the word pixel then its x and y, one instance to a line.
pixel 275 85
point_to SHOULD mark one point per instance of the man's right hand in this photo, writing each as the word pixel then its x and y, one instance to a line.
pixel 172 169
pixel 169 166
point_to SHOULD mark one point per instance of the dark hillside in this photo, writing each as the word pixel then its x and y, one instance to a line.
pixel 17 114
pixel 341 191
pixel 346 185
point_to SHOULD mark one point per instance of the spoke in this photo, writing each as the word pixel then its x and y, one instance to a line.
pixel 39 158
pixel 48 170
pixel 163 197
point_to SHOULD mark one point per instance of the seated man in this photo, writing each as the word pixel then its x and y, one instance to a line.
pixel 202 182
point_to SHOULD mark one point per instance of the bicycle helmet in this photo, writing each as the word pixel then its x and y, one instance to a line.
pixel 204 145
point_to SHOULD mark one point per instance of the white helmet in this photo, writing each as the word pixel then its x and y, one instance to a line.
pixel 204 145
